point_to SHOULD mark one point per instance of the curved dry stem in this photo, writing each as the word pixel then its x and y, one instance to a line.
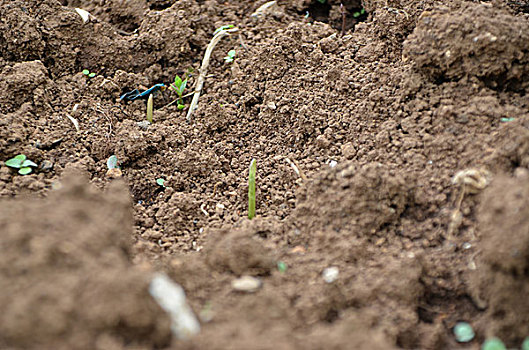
pixel 204 69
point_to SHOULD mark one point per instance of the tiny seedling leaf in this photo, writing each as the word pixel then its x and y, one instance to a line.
pixel 525 344
pixel 180 106
pixel 86 72
pixel 504 120
pixel 160 182
pixel 91 75
pixel 27 163
pixel 24 171
pixel 281 266
pixel 463 332
pixel 493 344
pixel 183 87
pixel 13 163
pixel 321 1
pixel 112 162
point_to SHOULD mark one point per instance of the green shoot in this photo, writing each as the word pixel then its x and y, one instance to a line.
pixel 21 163
pixel 493 344
pixel 321 1
pixel 229 26
pixel 359 13
pixel 88 73
pixel 112 162
pixel 160 182
pixel 281 267
pixel 150 107
pixel 505 120
pixel 251 189
pixel 179 86
pixel 525 344
pixel 231 55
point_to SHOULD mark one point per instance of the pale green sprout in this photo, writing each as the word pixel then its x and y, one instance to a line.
pixel 21 163
pixel 160 182
pixel 493 344
pixel 150 108
pixel 463 332
pixel 231 55
pixel 251 189
pixel 88 73
pixel 179 86
pixel 112 162
pixel 229 26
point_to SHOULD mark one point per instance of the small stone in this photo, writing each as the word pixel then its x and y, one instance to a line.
pixel 322 141
pixel 330 274
pixel 144 124
pixel 46 165
pixel 247 284
pixel 114 173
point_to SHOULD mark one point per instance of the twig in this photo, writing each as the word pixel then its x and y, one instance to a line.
pixel 342 9
pixel 204 69
pixel 263 9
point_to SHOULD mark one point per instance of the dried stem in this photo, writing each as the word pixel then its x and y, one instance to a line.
pixel 204 69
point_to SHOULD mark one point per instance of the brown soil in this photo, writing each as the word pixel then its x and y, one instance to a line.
pixel 378 122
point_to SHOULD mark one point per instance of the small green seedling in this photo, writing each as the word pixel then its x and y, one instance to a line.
pixel 251 189
pixel 21 163
pixel 493 344
pixel 223 28
pixel 463 332
pixel 525 344
pixel 321 1
pixel 150 108
pixel 281 267
pixel 88 73
pixel 505 120
pixel 359 13
pixel 179 86
pixel 231 55
pixel 160 182
pixel 112 162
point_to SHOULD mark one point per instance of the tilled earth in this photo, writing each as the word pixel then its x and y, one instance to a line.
pixel 396 151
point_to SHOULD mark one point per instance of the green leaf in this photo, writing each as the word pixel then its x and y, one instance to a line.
pixel 13 163
pixel 525 344
pixel 160 182
pixel 27 163
pixel 251 189
pixel 281 266
pixel 183 87
pixel 91 75
pixel 356 14
pixel 321 1
pixel 504 120
pixel 112 162
pixel 180 106
pixel 463 332
pixel 493 344
pixel 24 171
pixel 177 81
pixel 21 157
pixel 86 71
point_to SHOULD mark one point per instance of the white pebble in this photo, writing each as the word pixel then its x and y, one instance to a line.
pixel 330 274
pixel 171 297
pixel 246 284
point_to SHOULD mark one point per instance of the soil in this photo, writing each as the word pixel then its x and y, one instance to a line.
pixel 396 152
